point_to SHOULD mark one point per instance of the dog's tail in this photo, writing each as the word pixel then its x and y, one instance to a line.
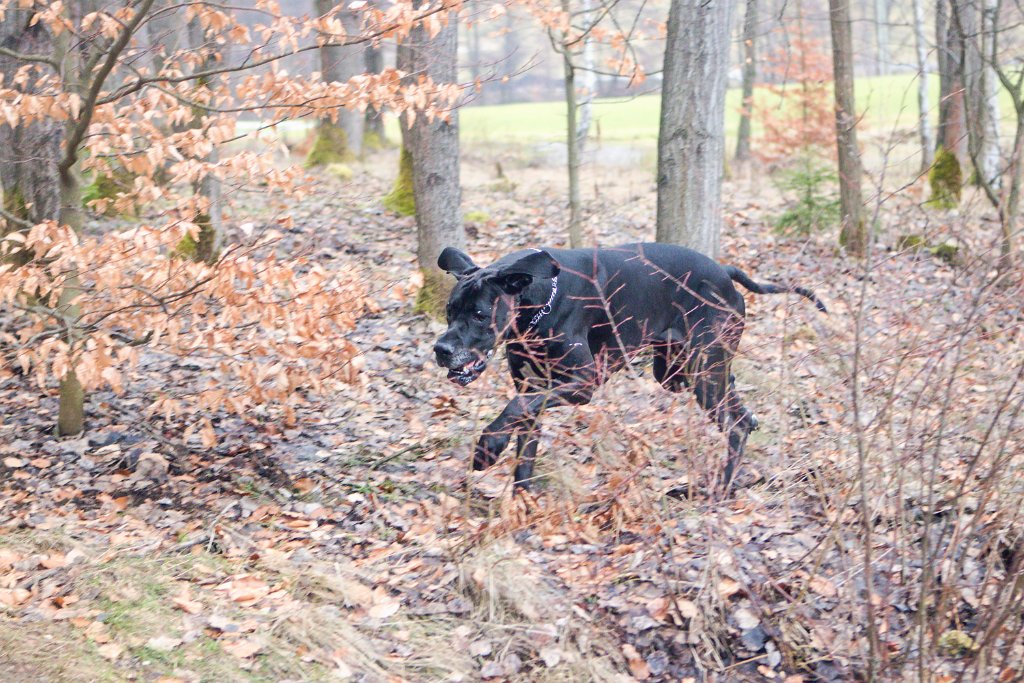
pixel 764 288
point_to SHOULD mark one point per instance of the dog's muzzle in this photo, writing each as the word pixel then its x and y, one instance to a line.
pixel 462 373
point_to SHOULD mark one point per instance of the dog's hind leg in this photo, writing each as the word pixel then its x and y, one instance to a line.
pixel 670 365
pixel 715 388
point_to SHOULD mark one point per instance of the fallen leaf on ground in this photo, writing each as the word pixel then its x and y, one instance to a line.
pixel 247 590
pixel 241 648
pixel 110 651
pixel 384 610
pixel 163 643
pixel 745 619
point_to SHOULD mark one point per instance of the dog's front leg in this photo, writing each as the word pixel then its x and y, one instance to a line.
pixel 573 382
pixel 496 436
pixel 526 453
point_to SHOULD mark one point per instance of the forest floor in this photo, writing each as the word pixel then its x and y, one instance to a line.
pixel 355 544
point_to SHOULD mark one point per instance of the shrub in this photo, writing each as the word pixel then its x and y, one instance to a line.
pixel 816 207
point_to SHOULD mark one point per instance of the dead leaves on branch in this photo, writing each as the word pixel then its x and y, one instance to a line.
pixel 268 326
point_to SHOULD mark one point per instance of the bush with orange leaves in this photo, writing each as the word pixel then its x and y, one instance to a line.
pixel 262 327
pixel 798 116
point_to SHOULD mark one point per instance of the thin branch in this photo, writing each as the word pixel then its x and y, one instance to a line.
pixel 11 218
pixel 246 64
pixel 41 59
pixel 89 106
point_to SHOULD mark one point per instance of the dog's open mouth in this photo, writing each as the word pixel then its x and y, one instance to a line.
pixel 465 374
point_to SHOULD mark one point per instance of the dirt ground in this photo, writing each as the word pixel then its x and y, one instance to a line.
pixel 356 544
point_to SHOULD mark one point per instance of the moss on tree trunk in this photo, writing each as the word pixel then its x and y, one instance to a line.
pixel 433 295
pixel 330 146
pixel 946 180
pixel 71 415
pixel 203 249
pixel 107 186
pixel 401 199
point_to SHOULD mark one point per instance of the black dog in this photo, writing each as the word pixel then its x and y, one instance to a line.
pixel 572 317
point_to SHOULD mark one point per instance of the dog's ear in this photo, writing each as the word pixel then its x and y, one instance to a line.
pixel 515 277
pixel 455 262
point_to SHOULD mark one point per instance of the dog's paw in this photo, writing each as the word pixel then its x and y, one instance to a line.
pixel 488 448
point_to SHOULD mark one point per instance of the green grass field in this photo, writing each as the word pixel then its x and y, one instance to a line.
pixel 885 102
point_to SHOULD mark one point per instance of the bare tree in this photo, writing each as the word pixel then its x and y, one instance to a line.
pixel 749 75
pixel 373 132
pixel 209 213
pixel 989 91
pixel 29 152
pixel 341 140
pixel 924 124
pixel 854 234
pixel 952 132
pixel 884 61
pixel 434 149
pixel 691 137
pixel 575 46
pixel 1003 192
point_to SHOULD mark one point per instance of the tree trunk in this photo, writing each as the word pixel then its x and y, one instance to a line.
pixel 434 147
pixel 882 36
pixel 691 138
pixel 749 75
pixel 29 153
pixel 207 246
pixel 989 93
pixel 924 124
pixel 952 131
pixel 373 133
pixel 572 153
pixel 342 140
pixel 510 43
pixel 1010 205
pixel 587 82
pixel 854 234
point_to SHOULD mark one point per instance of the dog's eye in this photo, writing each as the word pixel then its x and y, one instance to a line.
pixel 481 316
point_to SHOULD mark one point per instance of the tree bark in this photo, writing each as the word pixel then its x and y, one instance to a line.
pixel 587 82
pixel 924 124
pixel 29 153
pixel 374 122
pixel 691 138
pixel 434 147
pixel 882 36
pixel 208 189
pixel 854 234
pixel 952 131
pixel 749 76
pixel 989 93
pixel 572 153
pixel 342 140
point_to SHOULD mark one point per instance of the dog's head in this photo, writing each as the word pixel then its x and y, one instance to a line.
pixel 481 308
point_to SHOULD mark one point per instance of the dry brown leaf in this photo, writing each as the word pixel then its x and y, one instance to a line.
pixel 53 561
pixel 823 586
pixel 163 643
pixel 110 651
pixel 247 590
pixel 184 602
pixel 745 619
pixel 687 608
pixel 97 632
pixel 12 597
pixel 383 610
pixel 728 587
pixel 242 649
